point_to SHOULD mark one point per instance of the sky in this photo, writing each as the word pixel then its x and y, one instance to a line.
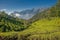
pixel 12 5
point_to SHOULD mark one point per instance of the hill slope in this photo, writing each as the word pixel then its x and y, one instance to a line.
pixel 42 29
pixel 8 23
pixel 45 25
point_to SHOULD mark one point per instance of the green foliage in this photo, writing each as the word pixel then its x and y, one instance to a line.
pixel 43 29
pixel 8 23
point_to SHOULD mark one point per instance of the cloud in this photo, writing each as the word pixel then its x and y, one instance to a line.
pixel 3 10
pixel 9 12
pixel 6 11
pixel 17 15
pixel 26 16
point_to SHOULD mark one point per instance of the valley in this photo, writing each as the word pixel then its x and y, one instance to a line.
pixel 44 25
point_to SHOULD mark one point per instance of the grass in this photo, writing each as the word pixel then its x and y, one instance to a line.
pixel 44 29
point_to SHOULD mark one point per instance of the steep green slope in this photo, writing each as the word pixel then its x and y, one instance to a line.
pixel 43 29
pixel 8 23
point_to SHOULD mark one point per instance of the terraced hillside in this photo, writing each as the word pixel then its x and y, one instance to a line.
pixel 44 29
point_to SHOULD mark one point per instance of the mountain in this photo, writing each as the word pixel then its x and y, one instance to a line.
pixel 9 23
pixel 26 14
pixel 53 11
pixel 45 25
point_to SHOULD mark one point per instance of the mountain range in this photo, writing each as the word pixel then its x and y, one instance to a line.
pixel 26 14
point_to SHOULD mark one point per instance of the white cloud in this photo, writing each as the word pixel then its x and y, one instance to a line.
pixel 3 9
pixel 17 14
pixel 9 12
pixel 26 16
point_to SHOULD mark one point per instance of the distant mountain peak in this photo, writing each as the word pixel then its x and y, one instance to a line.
pixel 26 14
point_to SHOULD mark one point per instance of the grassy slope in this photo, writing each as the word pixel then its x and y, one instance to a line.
pixel 41 29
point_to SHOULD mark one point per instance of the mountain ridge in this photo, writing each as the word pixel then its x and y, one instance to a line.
pixel 27 14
